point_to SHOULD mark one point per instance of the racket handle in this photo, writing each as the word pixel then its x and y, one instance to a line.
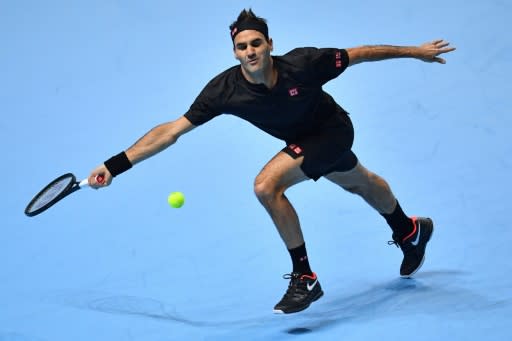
pixel 85 182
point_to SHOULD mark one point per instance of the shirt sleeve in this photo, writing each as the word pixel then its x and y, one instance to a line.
pixel 324 64
pixel 207 105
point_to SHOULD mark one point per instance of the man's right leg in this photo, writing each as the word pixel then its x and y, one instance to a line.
pixel 279 174
pixel 410 234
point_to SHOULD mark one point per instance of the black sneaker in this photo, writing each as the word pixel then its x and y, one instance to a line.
pixel 413 245
pixel 302 291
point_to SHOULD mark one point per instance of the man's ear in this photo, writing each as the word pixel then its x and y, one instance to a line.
pixel 271 43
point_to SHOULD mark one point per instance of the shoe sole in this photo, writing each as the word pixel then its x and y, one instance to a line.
pixel 278 311
pixel 423 259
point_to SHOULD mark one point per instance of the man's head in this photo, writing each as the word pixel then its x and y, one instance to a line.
pixel 251 43
pixel 247 20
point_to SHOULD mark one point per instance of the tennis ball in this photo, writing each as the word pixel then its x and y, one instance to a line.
pixel 176 199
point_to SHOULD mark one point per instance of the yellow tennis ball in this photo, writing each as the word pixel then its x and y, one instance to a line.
pixel 176 199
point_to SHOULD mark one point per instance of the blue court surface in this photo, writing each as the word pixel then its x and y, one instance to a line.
pixel 83 80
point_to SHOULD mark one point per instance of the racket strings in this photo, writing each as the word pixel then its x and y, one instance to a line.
pixel 50 193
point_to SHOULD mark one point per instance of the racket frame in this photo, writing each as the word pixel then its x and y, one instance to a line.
pixel 73 186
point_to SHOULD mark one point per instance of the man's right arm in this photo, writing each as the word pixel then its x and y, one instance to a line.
pixel 153 142
pixel 158 139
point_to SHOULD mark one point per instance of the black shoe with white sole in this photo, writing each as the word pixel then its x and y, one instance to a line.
pixel 302 291
pixel 413 245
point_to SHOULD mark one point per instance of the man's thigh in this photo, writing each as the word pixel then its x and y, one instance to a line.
pixel 282 171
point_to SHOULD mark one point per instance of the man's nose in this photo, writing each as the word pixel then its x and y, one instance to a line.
pixel 251 52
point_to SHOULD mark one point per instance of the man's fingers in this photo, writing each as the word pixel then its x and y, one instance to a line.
pixel 97 180
pixel 449 49
pixel 432 50
pixel 92 179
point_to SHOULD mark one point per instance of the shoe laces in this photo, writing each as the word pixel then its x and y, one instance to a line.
pixel 294 287
pixel 391 242
pixel 394 241
pixel 297 276
pixel 293 277
pixel 406 248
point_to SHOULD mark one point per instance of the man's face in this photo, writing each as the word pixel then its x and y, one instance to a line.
pixel 252 51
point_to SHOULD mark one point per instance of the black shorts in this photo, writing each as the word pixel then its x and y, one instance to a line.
pixel 326 150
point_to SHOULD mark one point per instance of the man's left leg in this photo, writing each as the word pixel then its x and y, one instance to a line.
pixel 410 234
pixel 279 174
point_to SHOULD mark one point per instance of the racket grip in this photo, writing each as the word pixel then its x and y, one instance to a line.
pixel 85 182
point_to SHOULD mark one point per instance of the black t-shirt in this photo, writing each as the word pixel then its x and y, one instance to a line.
pixel 296 106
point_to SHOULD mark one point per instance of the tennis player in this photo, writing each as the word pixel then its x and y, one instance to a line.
pixel 283 96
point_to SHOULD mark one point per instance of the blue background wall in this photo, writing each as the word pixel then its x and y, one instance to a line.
pixel 80 81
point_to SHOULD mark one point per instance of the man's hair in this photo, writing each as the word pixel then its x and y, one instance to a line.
pixel 248 20
pixel 246 15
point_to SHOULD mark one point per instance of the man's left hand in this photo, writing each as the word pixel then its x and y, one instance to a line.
pixel 429 52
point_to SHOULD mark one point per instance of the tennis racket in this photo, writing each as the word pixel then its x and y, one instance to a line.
pixel 55 191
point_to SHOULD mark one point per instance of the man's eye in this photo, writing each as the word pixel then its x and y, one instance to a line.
pixel 241 46
pixel 256 43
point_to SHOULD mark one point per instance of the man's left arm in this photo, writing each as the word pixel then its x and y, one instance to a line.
pixel 428 52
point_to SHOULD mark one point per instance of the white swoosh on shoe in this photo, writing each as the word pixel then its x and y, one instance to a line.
pixel 417 239
pixel 310 287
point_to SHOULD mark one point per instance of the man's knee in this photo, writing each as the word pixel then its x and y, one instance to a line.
pixel 263 188
pixel 266 189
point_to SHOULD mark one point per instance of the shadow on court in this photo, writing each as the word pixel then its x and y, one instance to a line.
pixel 398 297
pixel 428 293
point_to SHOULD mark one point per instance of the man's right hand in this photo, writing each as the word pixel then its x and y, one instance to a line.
pixel 100 177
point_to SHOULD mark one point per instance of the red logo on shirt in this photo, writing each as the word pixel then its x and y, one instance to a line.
pixel 293 91
pixel 339 63
pixel 296 149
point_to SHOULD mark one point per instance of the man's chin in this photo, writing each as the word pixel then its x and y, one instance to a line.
pixel 252 70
